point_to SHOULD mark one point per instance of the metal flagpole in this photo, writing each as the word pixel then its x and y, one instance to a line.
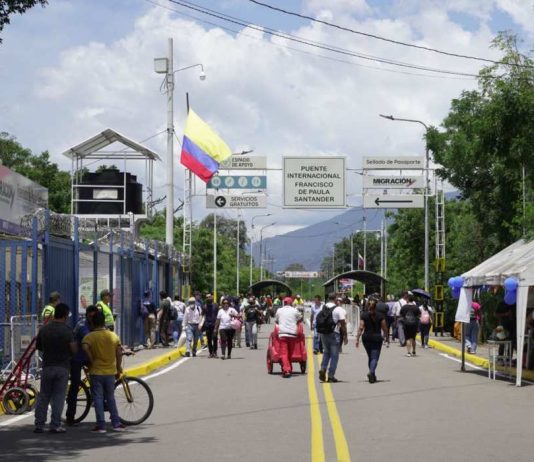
pixel 214 255
pixel 237 252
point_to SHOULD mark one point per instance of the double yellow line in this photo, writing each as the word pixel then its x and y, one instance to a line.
pixel 317 439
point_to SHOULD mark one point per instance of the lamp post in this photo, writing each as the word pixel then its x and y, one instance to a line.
pixel 251 242
pixel 425 196
pixel 165 66
pixel 261 248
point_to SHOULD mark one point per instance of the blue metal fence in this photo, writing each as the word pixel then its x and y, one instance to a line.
pixel 79 266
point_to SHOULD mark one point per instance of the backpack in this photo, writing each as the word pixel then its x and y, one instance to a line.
pixel 425 317
pixel 324 323
pixel 410 319
pixel 173 313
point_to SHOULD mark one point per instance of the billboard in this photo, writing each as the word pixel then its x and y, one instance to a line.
pixel 18 197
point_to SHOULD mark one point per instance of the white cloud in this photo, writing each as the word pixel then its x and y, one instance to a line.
pixel 256 95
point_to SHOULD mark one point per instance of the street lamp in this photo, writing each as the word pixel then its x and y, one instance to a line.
pixel 261 248
pixel 251 242
pixel 425 196
pixel 165 66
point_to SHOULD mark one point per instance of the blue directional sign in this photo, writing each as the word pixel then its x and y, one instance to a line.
pixel 238 182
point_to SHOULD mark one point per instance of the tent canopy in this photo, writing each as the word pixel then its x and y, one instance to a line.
pixel 516 260
pixel 278 286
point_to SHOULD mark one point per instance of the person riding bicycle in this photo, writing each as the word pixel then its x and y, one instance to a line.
pixel 104 351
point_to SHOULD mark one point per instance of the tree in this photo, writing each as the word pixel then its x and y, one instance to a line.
pixel 487 144
pixel 38 169
pixel 10 7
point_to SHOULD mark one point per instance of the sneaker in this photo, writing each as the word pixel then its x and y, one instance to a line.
pixel 98 430
pixel 255 346
pixel 38 430
pixel 372 379
pixel 223 358
pixel 58 430
pixel 229 357
pixel 119 428
pixel 195 354
pixel 187 354
pixel 332 380
pixel 322 375
pixel 408 355
pixel 413 353
pixel 286 375
pixel 204 347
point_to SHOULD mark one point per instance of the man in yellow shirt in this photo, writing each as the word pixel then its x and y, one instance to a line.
pixel 48 311
pixel 103 348
pixel 104 306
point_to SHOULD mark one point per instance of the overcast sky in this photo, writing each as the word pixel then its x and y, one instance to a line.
pixel 77 67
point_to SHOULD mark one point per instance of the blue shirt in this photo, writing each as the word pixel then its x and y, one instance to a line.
pixel 80 331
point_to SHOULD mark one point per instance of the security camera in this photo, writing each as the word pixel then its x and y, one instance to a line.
pixel 202 75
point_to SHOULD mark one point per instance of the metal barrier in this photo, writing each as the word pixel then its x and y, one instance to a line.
pixel 353 317
pixel 18 335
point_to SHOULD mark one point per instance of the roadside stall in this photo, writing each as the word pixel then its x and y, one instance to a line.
pixel 512 268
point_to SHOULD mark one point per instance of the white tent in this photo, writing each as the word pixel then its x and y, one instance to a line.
pixel 516 260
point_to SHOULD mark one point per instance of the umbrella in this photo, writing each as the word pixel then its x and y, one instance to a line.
pixel 421 293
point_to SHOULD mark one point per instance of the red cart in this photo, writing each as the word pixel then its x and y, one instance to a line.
pixel 299 352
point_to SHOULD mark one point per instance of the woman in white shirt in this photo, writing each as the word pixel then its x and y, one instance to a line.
pixel 224 326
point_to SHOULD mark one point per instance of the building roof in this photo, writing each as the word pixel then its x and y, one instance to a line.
pixel 90 148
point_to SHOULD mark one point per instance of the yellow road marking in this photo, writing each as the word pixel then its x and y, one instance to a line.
pixel 342 447
pixel 317 443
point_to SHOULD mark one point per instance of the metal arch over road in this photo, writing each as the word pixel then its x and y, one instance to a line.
pixel 373 281
pixel 258 288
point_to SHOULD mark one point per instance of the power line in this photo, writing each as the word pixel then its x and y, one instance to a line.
pixel 315 55
pixel 332 49
pixel 385 39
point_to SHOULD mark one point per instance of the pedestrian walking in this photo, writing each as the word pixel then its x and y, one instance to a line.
pixel 56 341
pixel 372 330
pixel 287 319
pixel 148 314
pixel 252 314
pixel 192 319
pixel 426 320
pixel 179 307
pixel 316 307
pixel 332 326
pixel 225 328
pixel 409 314
pixel 399 322
pixel 211 309
pixel 104 350
pixel 164 316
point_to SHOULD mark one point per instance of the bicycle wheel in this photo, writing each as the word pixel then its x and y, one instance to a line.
pixel 83 402
pixel 15 401
pixel 134 400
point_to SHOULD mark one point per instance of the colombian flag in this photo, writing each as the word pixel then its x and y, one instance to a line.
pixel 202 148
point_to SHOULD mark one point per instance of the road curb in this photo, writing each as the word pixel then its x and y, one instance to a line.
pixel 474 359
pixel 147 367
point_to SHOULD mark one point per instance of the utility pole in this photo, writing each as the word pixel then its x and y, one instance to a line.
pixel 169 216
pixel 238 256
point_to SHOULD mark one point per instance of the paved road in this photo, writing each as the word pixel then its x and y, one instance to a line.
pixel 421 408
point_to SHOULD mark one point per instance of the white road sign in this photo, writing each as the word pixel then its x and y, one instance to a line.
pixel 228 201
pixel 393 182
pixel 393 201
pixel 394 163
pixel 314 182
pixel 244 163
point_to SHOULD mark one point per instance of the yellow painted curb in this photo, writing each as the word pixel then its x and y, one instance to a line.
pixel 476 360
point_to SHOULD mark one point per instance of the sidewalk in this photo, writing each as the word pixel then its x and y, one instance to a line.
pixel 453 347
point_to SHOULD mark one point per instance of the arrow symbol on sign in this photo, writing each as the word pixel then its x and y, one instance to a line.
pixel 378 201
pixel 220 201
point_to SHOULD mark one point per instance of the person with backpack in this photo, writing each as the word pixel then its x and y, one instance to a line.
pixel 177 311
pixel 252 313
pixel 373 330
pixel 425 322
pixel 164 316
pixel 409 314
pixel 148 314
pixel 332 326
pixel 316 308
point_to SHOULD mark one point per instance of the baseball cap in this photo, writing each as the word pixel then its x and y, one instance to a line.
pixel 288 301
pixel 192 300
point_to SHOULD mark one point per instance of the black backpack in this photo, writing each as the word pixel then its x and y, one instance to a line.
pixel 324 323
pixel 410 319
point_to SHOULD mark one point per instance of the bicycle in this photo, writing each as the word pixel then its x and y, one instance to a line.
pixel 135 404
